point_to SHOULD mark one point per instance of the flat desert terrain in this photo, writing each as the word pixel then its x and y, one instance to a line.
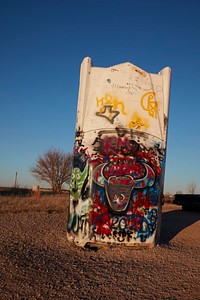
pixel 37 262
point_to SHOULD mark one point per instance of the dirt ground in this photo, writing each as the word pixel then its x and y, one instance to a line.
pixel 37 262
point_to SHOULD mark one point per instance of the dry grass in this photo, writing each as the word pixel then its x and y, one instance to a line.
pixel 43 203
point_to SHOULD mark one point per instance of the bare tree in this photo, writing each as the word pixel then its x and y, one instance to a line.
pixel 192 187
pixel 54 167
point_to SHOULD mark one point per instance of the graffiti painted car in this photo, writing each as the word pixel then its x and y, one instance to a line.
pixel 119 156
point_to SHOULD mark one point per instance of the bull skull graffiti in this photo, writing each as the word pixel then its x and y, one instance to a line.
pixel 119 187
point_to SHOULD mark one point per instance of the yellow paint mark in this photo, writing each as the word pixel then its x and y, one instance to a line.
pixel 149 104
pixel 108 99
pixel 137 122
pixel 101 110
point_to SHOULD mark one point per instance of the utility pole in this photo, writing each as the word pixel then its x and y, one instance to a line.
pixel 15 180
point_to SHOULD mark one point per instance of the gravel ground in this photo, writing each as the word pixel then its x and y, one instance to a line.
pixel 37 262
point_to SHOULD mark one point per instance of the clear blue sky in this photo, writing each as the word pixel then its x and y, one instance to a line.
pixel 43 43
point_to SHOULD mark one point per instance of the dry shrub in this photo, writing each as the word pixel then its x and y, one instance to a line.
pixel 34 203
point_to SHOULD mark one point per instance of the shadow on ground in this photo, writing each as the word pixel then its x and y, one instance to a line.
pixel 175 221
